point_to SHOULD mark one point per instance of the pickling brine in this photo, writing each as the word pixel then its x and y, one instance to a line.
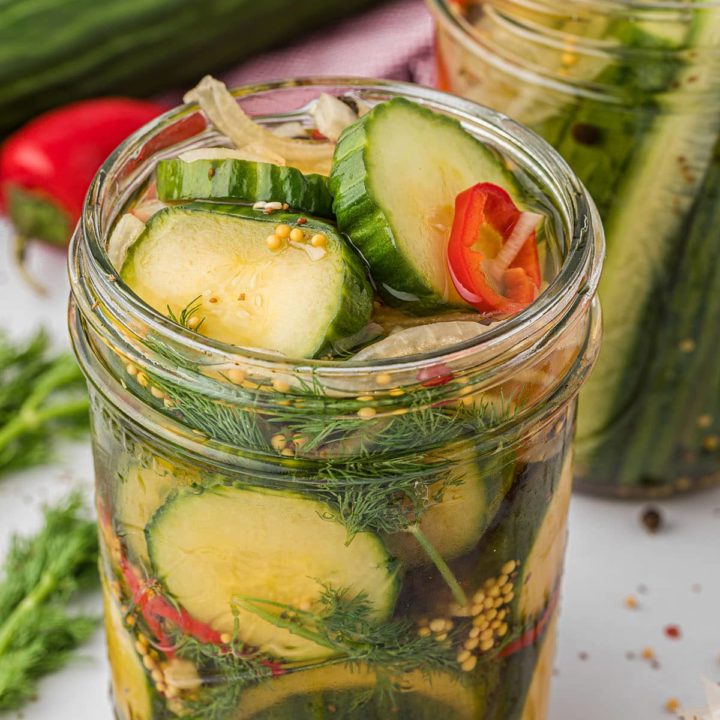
pixel 333 335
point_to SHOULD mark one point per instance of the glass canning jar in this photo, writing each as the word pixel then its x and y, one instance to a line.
pixel 311 539
pixel 629 93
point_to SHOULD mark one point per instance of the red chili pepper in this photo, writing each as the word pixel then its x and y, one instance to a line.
pixel 47 166
pixel 435 375
pixel 485 218
pixel 532 634
pixel 157 609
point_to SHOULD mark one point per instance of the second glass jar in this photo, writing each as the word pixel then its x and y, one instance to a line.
pixel 629 93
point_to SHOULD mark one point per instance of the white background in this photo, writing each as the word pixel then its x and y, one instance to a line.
pixel 611 556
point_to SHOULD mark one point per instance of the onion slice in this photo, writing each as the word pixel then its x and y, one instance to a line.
pixel 228 117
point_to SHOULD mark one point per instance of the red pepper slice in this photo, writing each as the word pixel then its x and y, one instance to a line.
pixel 156 610
pixel 485 217
pixel 47 166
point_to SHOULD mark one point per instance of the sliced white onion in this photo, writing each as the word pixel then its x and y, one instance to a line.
pixel 314 253
pixel 144 210
pixel 332 116
pixel 526 223
pixel 126 232
pixel 228 117
pixel 249 152
pixel 422 339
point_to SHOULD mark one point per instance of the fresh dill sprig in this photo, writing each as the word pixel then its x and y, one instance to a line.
pixel 186 314
pixel 40 575
pixel 41 398
pixel 229 671
pixel 346 626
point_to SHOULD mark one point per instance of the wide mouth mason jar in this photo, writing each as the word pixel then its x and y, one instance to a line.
pixel 323 539
pixel 629 93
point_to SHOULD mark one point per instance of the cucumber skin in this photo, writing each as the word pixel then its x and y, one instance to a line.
pixel 680 386
pixel 136 47
pixel 603 166
pixel 360 216
pixel 355 308
pixel 232 179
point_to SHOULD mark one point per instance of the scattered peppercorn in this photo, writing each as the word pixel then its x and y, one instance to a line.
pixel 586 134
pixel 672 705
pixel 631 602
pixel 673 632
pixel 652 519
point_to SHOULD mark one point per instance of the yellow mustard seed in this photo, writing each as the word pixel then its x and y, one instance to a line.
pixel 672 705
pixel 424 632
pixel 142 379
pixel 131 369
pixel 366 413
pixel 396 392
pixel 502 630
pixel 278 442
pixel 441 637
pixel 437 625
pixel 469 664
pixel 297 235
pixel 236 375
pixel 471 643
pixel 273 242
pixel 703 421
pixel 225 638
pixel 157 393
pixel 193 322
pixel 383 378
pixel 287 452
pixel 508 567
pixel 281 386
pixel 486 645
pixel 463 655
pixel 474 632
pixel 282 231
pixel 318 240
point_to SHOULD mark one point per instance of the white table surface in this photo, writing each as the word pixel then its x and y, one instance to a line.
pixel 675 574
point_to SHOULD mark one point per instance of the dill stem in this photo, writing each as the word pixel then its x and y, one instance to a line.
pixel 447 574
pixel 29 419
pixel 45 587
pixel 288 625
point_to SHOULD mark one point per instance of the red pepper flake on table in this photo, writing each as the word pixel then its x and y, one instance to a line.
pixel 673 632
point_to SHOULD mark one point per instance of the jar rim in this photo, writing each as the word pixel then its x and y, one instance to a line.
pixel 576 279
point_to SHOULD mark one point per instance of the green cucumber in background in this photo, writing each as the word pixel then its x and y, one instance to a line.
pixel 52 53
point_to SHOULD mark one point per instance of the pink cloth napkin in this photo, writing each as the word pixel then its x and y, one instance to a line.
pixel 392 41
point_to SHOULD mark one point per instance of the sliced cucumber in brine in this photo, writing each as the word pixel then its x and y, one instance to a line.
pixel 460 509
pixel 131 686
pixel 395 176
pixel 286 296
pixel 268 548
pixel 337 693
pixel 234 179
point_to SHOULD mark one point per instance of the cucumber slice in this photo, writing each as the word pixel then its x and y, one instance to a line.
pixel 543 566
pixel 455 524
pixel 234 179
pixel 332 693
pixel 217 256
pixel 538 694
pixel 131 686
pixel 395 176
pixel 209 547
pixel 526 538
pixel 138 495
